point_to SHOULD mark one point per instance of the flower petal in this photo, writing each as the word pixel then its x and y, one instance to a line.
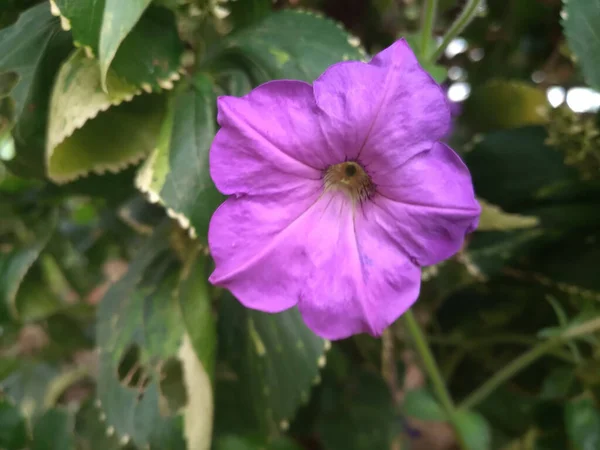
pixel 254 256
pixel 360 281
pixel 384 112
pixel 268 138
pixel 429 205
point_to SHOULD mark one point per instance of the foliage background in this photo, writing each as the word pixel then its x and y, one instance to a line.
pixel 110 336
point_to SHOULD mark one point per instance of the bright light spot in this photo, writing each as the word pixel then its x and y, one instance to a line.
pixel 456 73
pixel 538 76
pixel 556 96
pixel 476 54
pixel 459 92
pixel 7 147
pixel 456 47
pixel 583 100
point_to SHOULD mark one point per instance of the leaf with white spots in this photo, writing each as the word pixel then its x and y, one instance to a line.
pixel 272 361
pixel 581 23
pixel 290 44
pixel 139 45
pixel 176 174
pixel 154 384
pixel 83 136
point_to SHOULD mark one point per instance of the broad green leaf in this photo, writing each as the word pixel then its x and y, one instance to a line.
pixel 22 295
pixel 581 21
pixel 420 404
pixel 357 413
pixel 53 431
pixel 82 137
pixel 118 20
pixel 521 156
pixel 140 47
pixel 28 387
pixel 246 443
pixel 493 218
pixel 247 12
pixel 22 48
pixel 176 175
pixel 474 430
pixel 152 387
pixel 197 354
pixel 13 433
pixel 276 361
pixel 290 44
pixel 582 419
pixel 90 431
pixel 502 104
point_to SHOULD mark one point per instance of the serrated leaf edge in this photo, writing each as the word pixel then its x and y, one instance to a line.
pixel 143 180
pixel 101 169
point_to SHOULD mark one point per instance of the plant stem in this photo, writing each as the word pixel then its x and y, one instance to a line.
pixel 465 17
pixel 526 359
pixel 428 19
pixel 433 372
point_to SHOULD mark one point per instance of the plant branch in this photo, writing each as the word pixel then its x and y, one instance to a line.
pixel 465 17
pixel 428 20
pixel 523 361
pixel 433 372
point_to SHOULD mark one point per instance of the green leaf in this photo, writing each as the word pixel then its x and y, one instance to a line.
pixel 53 431
pixel 274 46
pixel 13 433
pixel 151 382
pixel 275 359
pixel 582 419
pixel 420 404
pixel 118 20
pixel 474 430
pixel 25 300
pixel 82 138
pixel 197 353
pixel 521 156
pixel 176 174
pixel 247 12
pixel 357 413
pixel 140 46
pixel 90 431
pixel 581 21
pixel 249 443
pixel 22 48
pixel 502 104
pixel 493 218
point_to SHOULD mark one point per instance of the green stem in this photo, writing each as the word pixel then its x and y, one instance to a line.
pixel 523 361
pixel 433 372
pixel 465 17
pixel 428 19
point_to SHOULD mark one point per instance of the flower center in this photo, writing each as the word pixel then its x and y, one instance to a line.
pixel 351 178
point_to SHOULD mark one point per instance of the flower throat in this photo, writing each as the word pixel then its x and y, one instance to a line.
pixel 351 178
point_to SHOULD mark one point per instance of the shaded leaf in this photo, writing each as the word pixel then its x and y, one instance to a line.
pixel 176 174
pixel 13 433
pixel 17 298
pixel 474 430
pixel 53 431
pixel 357 413
pixel 581 21
pixel 90 431
pixel 420 404
pixel 30 35
pixel 272 362
pixel 140 47
pixel 79 142
pixel 290 44
pixel 501 104
pixel 582 418
pixel 246 443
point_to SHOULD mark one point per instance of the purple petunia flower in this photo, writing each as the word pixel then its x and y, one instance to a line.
pixel 341 192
